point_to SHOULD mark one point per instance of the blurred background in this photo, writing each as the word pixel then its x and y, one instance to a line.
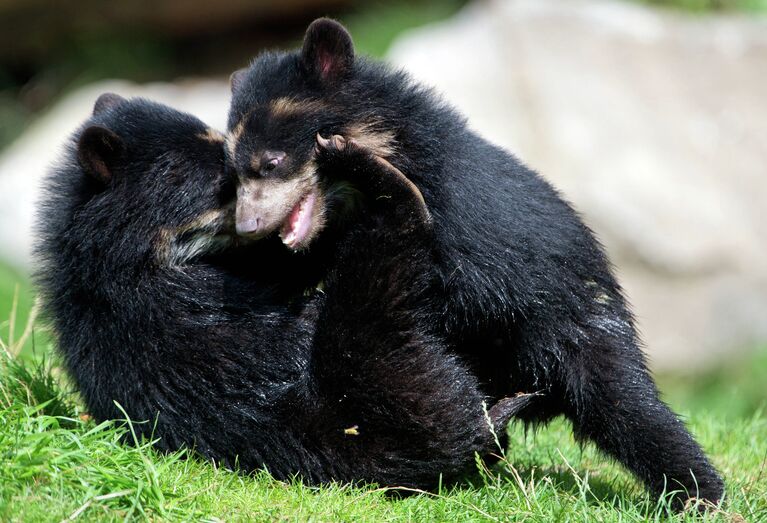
pixel 650 116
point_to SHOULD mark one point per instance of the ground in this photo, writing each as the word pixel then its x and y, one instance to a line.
pixel 57 464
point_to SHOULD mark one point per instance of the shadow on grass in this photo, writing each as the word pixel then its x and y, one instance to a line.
pixel 598 490
pixel 532 480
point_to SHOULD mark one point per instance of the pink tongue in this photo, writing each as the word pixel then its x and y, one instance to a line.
pixel 290 224
pixel 299 221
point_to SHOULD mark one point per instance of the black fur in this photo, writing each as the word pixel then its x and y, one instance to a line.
pixel 153 310
pixel 529 297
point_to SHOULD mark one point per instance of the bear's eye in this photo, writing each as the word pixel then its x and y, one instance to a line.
pixel 274 162
pixel 270 160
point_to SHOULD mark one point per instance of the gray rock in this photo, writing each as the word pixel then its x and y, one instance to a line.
pixel 653 123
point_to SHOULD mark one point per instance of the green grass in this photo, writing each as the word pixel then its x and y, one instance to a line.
pixel 16 305
pixel 14 288
pixel 734 390
pixel 56 463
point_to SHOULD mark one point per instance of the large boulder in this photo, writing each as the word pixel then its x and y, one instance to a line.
pixel 653 123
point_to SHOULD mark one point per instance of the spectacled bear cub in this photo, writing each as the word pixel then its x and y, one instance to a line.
pixel 134 239
pixel 529 298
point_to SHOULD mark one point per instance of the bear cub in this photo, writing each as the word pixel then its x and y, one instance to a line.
pixel 528 299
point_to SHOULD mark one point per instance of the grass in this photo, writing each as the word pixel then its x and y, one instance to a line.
pixel 16 306
pixel 56 464
pixel 734 390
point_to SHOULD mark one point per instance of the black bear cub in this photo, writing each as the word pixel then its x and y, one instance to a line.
pixel 134 239
pixel 530 302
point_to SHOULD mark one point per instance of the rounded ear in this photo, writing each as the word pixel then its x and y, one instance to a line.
pixel 328 51
pixel 106 101
pixel 98 149
pixel 236 78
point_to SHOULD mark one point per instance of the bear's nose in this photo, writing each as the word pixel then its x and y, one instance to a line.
pixel 247 226
pixel 248 221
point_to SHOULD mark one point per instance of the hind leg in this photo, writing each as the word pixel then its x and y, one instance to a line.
pixel 603 386
pixel 620 410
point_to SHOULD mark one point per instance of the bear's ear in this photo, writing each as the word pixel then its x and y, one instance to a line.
pixel 106 101
pixel 328 51
pixel 98 150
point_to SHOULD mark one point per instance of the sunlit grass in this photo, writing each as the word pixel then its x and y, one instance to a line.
pixel 57 464
pixel 63 466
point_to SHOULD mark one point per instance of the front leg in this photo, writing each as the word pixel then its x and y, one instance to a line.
pixel 388 190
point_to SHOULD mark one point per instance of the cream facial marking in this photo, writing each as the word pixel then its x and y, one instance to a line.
pixel 212 136
pixel 295 206
pixel 285 107
pixel 278 108
pixel 175 247
pixel 234 137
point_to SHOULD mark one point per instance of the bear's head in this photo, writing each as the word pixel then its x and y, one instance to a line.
pixel 142 185
pixel 279 105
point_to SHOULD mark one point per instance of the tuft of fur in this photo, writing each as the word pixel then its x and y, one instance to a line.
pixel 210 345
pixel 530 301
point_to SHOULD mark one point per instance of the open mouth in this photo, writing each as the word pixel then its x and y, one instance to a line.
pixel 298 225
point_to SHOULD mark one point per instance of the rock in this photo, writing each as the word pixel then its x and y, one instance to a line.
pixel 653 123
pixel 25 162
